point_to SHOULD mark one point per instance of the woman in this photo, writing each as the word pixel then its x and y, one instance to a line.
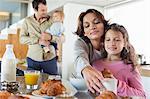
pixel 91 27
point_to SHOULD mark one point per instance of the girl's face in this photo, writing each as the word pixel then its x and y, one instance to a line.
pixel 114 42
pixel 93 26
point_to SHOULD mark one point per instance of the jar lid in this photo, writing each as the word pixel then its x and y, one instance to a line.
pixel 10 86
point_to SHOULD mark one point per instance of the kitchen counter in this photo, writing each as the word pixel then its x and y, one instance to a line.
pixel 145 70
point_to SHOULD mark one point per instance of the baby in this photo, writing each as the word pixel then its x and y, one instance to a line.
pixel 56 29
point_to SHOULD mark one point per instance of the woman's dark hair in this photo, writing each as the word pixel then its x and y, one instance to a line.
pixel 35 3
pixel 128 53
pixel 80 28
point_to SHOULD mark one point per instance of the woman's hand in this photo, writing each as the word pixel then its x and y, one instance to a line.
pixel 92 78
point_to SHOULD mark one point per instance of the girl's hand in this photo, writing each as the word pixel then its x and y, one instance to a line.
pixel 93 79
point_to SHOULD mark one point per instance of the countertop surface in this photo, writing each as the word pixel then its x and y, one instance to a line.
pixel 145 70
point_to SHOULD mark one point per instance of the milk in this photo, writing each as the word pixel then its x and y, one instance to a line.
pixel 8 65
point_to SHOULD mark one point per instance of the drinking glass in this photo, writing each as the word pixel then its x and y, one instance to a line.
pixel 31 79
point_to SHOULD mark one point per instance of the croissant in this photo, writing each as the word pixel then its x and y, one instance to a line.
pixel 4 94
pixel 52 87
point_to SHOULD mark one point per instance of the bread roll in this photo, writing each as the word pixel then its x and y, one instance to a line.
pixel 106 73
pixel 17 97
pixel 4 94
pixel 107 95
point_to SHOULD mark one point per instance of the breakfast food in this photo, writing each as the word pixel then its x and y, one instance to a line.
pixel 106 73
pixel 4 94
pixel 107 95
pixel 52 88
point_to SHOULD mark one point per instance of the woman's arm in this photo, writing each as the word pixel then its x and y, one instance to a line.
pixel 91 75
pixel 81 55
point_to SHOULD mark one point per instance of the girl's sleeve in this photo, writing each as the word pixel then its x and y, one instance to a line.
pixel 132 86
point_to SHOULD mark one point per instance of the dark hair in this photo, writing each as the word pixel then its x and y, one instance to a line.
pixel 80 28
pixel 128 53
pixel 35 3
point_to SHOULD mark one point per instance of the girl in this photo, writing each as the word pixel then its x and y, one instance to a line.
pixel 119 58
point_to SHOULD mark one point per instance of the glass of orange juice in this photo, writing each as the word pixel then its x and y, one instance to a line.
pixel 31 78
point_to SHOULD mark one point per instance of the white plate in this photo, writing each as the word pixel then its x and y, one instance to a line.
pixel 37 93
pixel 69 90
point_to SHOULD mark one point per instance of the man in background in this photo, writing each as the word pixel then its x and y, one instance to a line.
pixel 33 34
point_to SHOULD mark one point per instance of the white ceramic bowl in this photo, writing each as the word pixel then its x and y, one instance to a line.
pixel 79 84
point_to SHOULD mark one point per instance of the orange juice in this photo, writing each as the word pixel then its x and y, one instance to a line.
pixel 31 78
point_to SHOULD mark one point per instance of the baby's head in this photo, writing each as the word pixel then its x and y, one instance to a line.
pixel 58 16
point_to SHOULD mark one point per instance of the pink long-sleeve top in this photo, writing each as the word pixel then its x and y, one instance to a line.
pixel 129 80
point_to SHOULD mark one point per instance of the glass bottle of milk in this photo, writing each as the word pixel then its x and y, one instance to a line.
pixel 8 65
